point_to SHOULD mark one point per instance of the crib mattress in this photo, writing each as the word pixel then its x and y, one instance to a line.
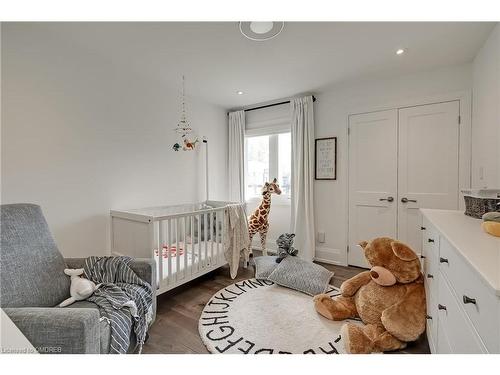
pixel 194 258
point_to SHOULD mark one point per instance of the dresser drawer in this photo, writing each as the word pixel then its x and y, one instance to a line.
pixel 431 285
pixel 430 241
pixel 452 321
pixel 432 321
pixel 442 342
pixel 479 303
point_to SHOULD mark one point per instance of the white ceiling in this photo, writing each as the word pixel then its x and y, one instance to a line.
pixel 306 57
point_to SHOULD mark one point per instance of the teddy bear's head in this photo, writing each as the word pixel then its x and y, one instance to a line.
pixel 392 261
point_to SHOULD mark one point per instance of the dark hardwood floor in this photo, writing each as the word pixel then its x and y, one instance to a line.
pixel 175 330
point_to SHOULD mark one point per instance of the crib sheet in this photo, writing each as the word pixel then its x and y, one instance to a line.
pixel 194 258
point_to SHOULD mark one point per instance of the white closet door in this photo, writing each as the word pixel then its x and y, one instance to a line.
pixel 428 165
pixel 372 179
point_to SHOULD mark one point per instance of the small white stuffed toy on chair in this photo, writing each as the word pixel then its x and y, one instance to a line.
pixel 80 288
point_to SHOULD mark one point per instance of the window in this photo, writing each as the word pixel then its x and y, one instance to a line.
pixel 268 157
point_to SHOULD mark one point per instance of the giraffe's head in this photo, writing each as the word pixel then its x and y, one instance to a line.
pixel 271 187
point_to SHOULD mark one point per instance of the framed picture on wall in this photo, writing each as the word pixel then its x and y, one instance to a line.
pixel 325 158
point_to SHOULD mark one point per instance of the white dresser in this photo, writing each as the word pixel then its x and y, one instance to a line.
pixel 461 266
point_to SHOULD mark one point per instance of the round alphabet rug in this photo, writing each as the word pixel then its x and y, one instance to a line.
pixel 260 317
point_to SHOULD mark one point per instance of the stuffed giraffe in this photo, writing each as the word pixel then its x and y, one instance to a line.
pixel 258 222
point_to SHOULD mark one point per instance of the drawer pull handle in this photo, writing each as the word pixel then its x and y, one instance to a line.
pixel 469 300
pixel 430 240
pixel 441 307
pixel 388 199
pixel 422 228
pixel 429 276
pixel 443 260
pixel 406 200
pixel 422 256
pixel 428 317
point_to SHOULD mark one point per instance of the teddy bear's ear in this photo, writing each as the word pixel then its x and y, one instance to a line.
pixel 402 251
pixel 363 244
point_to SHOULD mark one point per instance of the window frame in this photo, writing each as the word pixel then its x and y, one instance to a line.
pixel 273 134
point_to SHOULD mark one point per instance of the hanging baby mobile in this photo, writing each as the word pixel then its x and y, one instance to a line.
pixel 183 128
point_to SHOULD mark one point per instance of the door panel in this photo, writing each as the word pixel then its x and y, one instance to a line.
pixel 372 177
pixel 428 164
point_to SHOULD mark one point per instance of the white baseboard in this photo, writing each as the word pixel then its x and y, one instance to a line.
pixel 330 256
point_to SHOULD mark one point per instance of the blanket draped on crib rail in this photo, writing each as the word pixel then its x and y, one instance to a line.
pixel 236 240
pixel 123 298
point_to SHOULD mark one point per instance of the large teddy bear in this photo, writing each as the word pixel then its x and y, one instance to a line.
pixel 389 299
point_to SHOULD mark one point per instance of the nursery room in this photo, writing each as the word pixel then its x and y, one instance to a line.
pixel 250 187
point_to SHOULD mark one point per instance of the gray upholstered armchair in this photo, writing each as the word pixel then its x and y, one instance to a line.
pixel 33 283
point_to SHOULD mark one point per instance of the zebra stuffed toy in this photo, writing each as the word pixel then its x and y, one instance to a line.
pixel 285 248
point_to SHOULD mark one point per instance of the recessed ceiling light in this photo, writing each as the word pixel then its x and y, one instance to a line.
pixel 400 51
pixel 260 31
pixel 239 92
pixel 261 27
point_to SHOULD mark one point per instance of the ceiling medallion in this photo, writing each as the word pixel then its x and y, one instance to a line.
pixel 260 31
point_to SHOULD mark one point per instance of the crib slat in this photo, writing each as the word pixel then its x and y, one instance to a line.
pixel 169 252
pixel 161 239
pixel 223 237
pixel 200 264
pixel 220 250
pixel 186 249
pixel 191 225
pixel 211 230
pixel 177 252
pixel 205 237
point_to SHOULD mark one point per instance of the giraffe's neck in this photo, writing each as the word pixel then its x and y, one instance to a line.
pixel 265 205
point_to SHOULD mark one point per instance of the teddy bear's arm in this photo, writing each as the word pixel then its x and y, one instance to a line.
pixel 406 319
pixel 351 286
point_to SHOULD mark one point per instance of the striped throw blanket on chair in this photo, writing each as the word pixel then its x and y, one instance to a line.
pixel 123 298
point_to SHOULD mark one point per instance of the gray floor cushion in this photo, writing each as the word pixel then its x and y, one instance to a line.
pixel 301 275
pixel 264 265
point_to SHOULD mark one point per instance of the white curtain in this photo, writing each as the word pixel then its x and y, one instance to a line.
pixel 236 162
pixel 302 176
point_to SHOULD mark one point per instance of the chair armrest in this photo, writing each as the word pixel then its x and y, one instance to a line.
pixel 143 267
pixel 58 330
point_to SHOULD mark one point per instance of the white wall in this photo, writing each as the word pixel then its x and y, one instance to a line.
pixel 486 114
pixel 331 111
pixel 81 136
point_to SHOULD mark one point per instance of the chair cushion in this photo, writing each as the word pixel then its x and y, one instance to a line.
pixel 32 268
pixel 301 275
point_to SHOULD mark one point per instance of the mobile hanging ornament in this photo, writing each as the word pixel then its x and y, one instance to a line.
pixel 184 128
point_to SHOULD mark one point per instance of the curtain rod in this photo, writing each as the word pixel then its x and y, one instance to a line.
pixel 270 105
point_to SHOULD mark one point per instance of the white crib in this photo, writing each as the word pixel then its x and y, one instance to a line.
pixel 186 241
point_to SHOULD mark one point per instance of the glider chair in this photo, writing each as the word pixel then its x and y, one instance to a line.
pixel 33 283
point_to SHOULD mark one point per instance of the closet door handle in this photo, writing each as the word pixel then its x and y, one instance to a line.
pixel 422 256
pixel 441 307
pixel 430 240
pixel 423 228
pixel 406 200
pixel 443 260
pixel 388 199
pixel 430 276
pixel 428 317
pixel 469 300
